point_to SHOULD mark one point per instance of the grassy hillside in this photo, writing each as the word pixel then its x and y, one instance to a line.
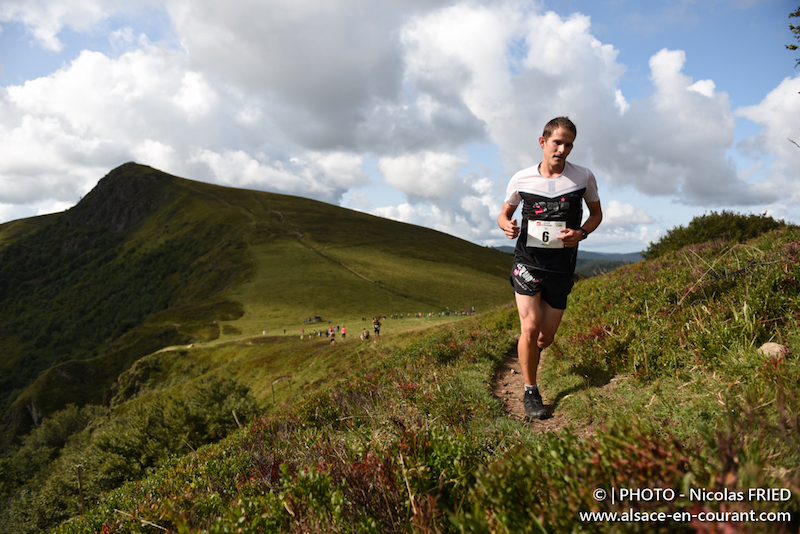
pixel 657 366
pixel 147 260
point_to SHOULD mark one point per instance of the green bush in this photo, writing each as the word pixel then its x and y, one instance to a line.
pixel 44 443
pixel 727 226
pixel 130 443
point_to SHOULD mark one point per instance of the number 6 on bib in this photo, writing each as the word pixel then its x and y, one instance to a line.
pixel 544 234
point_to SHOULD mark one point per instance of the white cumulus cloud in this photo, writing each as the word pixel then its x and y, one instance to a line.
pixel 617 214
pixel 777 116
pixel 676 142
pixel 425 175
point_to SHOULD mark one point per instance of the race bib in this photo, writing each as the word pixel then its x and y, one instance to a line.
pixel 544 234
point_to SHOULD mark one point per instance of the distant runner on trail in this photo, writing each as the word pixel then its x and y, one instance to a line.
pixel 552 195
pixel 376 328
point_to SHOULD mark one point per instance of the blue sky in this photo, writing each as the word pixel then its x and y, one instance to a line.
pixel 416 110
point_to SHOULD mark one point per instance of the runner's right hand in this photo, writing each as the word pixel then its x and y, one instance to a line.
pixel 511 229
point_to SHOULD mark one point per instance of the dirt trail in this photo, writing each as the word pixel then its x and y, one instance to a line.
pixel 509 387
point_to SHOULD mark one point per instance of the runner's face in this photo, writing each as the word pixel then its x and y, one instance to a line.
pixel 557 147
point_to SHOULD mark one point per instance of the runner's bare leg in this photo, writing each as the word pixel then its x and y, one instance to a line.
pixel 539 322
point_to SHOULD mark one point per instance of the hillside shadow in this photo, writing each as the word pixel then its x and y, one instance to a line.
pixel 593 377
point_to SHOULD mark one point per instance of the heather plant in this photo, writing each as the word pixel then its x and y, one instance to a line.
pixel 546 487
pixel 552 486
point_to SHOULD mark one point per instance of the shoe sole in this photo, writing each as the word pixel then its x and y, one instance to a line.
pixel 539 416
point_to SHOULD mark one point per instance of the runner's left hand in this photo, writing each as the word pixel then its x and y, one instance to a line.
pixel 570 237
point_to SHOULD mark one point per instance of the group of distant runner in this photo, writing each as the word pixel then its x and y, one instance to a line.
pixel 331 331
pixel 448 313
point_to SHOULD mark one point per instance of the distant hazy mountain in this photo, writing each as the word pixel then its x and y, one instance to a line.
pixel 631 257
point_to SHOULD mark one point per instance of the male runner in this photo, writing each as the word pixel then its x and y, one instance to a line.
pixel 376 327
pixel 547 246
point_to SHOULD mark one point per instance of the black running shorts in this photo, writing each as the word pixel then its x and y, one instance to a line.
pixel 554 287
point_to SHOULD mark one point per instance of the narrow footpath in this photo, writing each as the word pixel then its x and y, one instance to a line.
pixel 508 386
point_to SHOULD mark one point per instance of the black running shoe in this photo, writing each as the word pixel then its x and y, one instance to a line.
pixel 534 407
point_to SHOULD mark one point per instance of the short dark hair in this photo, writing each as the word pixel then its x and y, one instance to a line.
pixel 559 122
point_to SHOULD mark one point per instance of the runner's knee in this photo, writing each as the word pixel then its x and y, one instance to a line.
pixel 530 331
pixel 545 339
